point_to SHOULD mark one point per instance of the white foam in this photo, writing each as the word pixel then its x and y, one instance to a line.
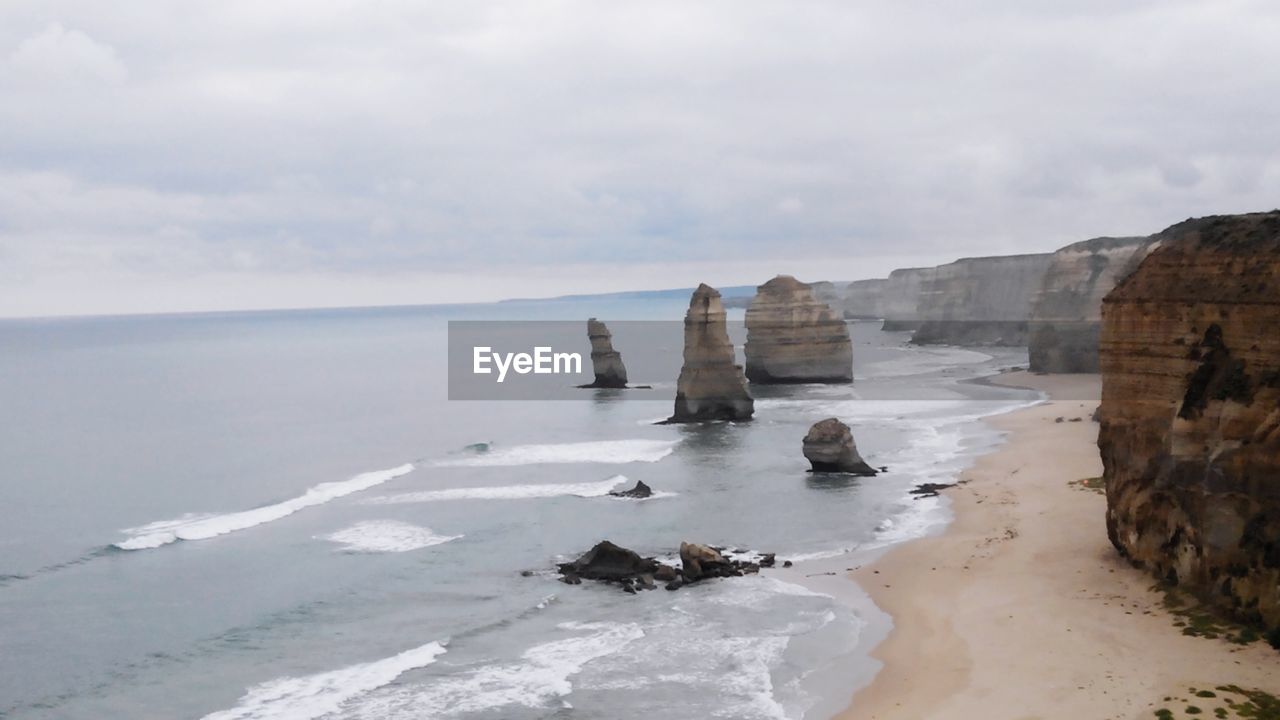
pixel 387 536
pixel 603 451
pixel 203 527
pixel 505 492
pixel 541 676
pixel 315 696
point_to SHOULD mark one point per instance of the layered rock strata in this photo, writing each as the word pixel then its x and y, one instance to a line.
pixel 864 299
pixel 711 385
pixel 1066 314
pixel 829 447
pixel 794 338
pixel 900 299
pixel 980 301
pixel 605 361
pixel 1190 416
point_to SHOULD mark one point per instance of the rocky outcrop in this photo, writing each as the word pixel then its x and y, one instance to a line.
pixel 794 338
pixel 611 563
pixel 1190 417
pixel 639 492
pixel 605 361
pixel 711 384
pixel 864 299
pixel 1066 314
pixel 829 447
pixel 980 301
pixel 900 300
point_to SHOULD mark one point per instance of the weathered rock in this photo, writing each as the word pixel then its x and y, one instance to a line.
pixel 711 385
pixel 1066 314
pixel 611 563
pixel 980 301
pixel 698 561
pixel 605 361
pixel 794 338
pixel 864 299
pixel 639 491
pixel 829 447
pixel 607 561
pixel 900 300
pixel 1190 416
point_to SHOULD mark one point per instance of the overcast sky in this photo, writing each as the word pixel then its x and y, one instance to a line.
pixel 160 156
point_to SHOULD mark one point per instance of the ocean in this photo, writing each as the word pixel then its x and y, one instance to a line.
pixel 281 515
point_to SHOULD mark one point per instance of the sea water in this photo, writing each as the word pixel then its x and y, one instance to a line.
pixel 282 516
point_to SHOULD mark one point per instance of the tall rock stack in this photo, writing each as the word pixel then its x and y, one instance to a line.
pixel 1066 315
pixel 794 338
pixel 605 361
pixel 711 384
pixel 1190 416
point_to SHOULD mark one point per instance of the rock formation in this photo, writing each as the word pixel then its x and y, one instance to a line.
pixel 900 300
pixel 829 447
pixel 639 492
pixel 1066 314
pixel 864 299
pixel 711 385
pixel 611 563
pixel 605 361
pixel 980 301
pixel 794 338
pixel 1190 417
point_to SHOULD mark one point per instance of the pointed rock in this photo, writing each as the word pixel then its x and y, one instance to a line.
pixel 711 384
pixel 792 337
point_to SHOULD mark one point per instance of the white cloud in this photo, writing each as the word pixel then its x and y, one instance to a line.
pixel 59 55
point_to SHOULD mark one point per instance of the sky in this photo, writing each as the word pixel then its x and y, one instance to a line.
pixel 160 156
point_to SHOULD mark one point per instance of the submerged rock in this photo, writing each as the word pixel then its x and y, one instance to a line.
pixel 639 491
pixel 792 337
pixel 711 385
pixel 606 362
pixel 829 447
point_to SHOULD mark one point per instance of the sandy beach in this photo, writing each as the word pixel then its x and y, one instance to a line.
pixel 1022 609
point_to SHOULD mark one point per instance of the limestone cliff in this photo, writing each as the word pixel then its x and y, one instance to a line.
pixel 864 299
pixel 1190 415
pixel 980 301
pixel 794 338
pixel 1066 314
pixel 900 300
pixel 605 361
pixel 711 385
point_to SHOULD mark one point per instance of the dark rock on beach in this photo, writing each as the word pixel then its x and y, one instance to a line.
pixel 611 563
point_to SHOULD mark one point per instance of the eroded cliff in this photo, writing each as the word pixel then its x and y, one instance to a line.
pixel 1190 415
pixel 1066 313
pixel 980 301
pixel 792 337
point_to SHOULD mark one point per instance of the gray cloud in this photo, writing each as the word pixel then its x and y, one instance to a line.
pixel 170 144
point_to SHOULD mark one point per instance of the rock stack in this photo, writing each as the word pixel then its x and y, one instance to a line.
pixel 605 361
pixel 1066 315
pixel 829 447
pixel 1190 416
pixel 794 338
pixel 711 385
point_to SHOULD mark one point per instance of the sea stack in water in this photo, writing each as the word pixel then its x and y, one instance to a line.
pixel 1190 417
pixel 829 447
pixel 605 361
pixel 794 338
pixel 711 384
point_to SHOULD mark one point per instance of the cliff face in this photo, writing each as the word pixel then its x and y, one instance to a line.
pixel 980 301
pixel 605 361
pixel 794 338
pixel 900 299
pixel 1190 416
pixel 864 299
pixel 711 385
pixel 1066 314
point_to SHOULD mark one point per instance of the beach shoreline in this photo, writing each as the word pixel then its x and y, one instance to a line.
pixel 1020 607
